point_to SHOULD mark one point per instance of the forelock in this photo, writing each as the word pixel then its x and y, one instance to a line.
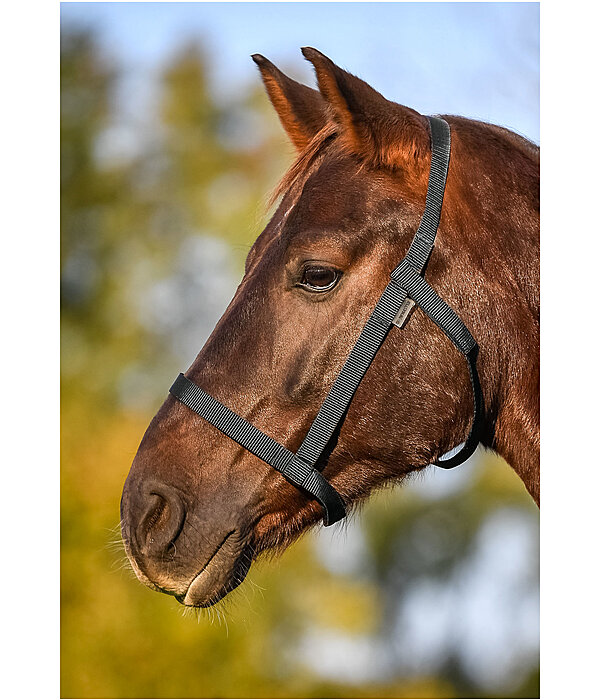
pixel 306 163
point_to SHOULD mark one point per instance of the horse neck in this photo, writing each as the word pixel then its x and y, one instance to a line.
pixel 510 381
pixel 505 294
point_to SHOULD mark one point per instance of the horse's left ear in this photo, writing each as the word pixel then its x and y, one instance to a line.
pixel 386 133
pixel 302 111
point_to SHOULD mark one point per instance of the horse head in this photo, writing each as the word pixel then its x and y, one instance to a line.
pixel 197 508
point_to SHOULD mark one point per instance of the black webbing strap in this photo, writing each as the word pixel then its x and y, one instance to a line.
pixel 449 322
pixel 406 287
pixel 262 445
pixel 424 240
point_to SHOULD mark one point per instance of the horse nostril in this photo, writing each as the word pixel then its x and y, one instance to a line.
pixel 160 511
pixel 161 521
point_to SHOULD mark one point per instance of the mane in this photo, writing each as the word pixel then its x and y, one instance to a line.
pixel 306 161
pixel 518 140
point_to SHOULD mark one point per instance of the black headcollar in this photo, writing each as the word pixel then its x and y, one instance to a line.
pixel 407 287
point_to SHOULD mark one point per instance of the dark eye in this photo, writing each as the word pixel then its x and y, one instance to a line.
pixel 318 278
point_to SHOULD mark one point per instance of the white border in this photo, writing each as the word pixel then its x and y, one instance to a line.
pixel 29 45
pixel 30 348
pixel 570 256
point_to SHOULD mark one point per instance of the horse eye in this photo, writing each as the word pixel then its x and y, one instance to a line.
pixel 319 279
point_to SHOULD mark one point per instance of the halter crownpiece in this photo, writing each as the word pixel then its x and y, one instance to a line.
pixel 407 287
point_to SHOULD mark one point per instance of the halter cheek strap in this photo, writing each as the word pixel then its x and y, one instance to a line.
pixel 407 288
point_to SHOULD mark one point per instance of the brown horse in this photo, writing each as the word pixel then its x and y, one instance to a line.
pixel 194 500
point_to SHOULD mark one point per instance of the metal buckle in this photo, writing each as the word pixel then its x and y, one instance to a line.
pixel 403 312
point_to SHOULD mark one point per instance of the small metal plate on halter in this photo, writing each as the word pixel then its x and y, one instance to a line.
pixel 403 312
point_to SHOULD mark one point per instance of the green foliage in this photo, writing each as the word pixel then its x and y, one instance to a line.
pixel 195 171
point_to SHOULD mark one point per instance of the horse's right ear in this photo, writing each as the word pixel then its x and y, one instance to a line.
pixel 383 132
pixel 301 110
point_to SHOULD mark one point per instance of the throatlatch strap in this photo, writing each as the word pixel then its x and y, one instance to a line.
pixel 407 285
pixel 448 321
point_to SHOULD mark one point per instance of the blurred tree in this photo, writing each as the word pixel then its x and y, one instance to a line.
pixel 216 168
pixel 86 195
pixel 426 553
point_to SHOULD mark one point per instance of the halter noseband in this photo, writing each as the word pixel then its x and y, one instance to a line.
pixel 407 287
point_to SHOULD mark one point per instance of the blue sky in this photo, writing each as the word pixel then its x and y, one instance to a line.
pixel 479 60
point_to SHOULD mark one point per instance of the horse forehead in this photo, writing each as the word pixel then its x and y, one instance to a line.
pixel 336 197
pixel 337 191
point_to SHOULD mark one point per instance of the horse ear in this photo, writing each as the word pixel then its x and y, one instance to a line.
pixel 374 128
pixel 301 110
